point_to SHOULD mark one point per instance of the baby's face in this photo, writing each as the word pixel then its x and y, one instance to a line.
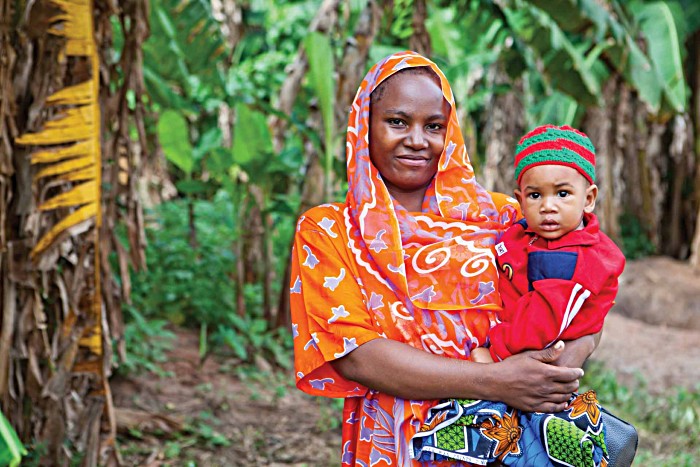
pixel 553 199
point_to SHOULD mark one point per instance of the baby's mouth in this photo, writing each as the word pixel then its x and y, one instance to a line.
pixel 549 224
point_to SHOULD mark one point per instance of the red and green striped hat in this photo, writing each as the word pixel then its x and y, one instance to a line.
pixel 562 145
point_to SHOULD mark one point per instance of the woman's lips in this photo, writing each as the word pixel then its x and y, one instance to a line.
pixel 413 161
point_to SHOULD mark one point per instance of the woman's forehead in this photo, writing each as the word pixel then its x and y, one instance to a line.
pixel 411 93
pixel 407 77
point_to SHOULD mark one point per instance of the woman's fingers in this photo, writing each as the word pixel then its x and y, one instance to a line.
pixel 549 407
pixel 532 384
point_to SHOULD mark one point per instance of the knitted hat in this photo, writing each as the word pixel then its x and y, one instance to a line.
pixel 561 145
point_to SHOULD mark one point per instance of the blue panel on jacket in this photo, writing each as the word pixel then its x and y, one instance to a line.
pixel 550 265
pixel 522 222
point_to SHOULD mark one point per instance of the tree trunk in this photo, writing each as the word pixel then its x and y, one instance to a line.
pixel 420 39
pixel 59 122
pixel 505 124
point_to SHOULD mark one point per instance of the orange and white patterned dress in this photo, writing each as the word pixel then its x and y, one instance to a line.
pixel 368 269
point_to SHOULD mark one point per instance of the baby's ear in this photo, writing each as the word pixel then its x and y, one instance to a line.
pixel 518 195
pixel 591 196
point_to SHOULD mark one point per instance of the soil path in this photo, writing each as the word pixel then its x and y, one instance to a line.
pixel 205 413
pixel 664 357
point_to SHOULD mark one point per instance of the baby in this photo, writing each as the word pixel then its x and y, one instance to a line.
pixel 559 280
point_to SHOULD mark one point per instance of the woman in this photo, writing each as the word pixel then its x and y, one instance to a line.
pixel 392 289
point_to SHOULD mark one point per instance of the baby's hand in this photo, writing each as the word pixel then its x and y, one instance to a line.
pixel 481 355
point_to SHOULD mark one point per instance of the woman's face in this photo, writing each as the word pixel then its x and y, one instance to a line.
pixel 407 135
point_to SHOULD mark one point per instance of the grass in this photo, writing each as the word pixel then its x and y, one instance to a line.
pixel 668 424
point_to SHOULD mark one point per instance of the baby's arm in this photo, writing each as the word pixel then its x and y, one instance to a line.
pixel 481 355
pixel 545 315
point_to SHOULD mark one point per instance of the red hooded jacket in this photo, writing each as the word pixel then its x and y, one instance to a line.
pixel 553 289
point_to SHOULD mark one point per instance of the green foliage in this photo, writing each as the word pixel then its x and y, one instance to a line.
pixel 35 451
pixel 635 239
pixel 192 287
pixel 187 285
pixel 200 432
pixel 183 54
pixel 565 63
pixel 173 135
pixel 328 410
pixel 320 54
pixel 203 427
pixel 402 24
pixel 658 21
pixel 252 142
pixel 147 342
pixel 251 335
pixel 11 448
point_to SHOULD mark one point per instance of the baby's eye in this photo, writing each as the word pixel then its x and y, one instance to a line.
pixel 533 195
pixel 562 193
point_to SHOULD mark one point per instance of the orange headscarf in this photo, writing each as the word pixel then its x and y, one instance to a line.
pixel 439 259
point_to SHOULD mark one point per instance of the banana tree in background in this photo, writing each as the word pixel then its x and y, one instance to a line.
pixel 65 184
pixel 616 69
pixel 257 118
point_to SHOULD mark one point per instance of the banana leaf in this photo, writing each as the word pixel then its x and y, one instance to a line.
pixel 320 53
pixel 11 448
pixel 663 30
pixel 173 135
pixel 566 65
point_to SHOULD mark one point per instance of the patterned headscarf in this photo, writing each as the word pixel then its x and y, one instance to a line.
pixel 440 259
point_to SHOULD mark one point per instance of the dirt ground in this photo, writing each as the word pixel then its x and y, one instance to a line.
pixel 265 424
pixel 206 414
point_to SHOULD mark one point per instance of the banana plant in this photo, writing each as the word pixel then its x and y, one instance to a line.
pixel 321 66
pixel 66 160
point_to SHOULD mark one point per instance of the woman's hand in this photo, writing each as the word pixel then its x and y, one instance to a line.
pixel 530 382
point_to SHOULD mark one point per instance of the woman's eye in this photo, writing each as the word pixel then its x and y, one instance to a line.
pixel 434 126
pixel 395 121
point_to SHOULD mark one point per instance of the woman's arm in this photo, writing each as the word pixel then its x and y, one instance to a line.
pixel 526 381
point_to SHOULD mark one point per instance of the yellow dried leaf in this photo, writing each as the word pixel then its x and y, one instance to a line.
pixel 79 94
pixel 88 173
pixel 67 166
pixel 81 148
pixel 73 125
pixel 80 215
pixel 93 340
pixel 76 26
pixel 80 194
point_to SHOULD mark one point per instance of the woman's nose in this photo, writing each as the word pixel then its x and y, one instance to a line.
pixel 416 139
